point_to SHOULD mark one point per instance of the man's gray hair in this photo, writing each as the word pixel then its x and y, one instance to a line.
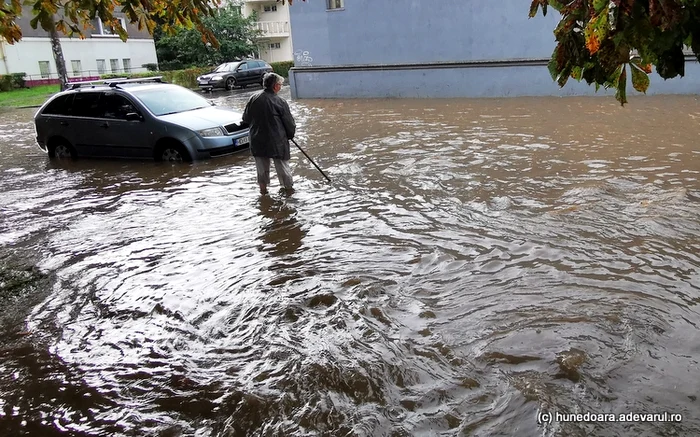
pixel 270 79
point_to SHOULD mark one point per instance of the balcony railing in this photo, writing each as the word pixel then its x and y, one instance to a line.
pixel 273 28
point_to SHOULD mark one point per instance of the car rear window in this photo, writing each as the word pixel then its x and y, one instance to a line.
pixel 86 104
pixel 61 105
pixel 116 106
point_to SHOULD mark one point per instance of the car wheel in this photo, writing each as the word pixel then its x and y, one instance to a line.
pixel 62 149
pixel 173 153
pixel 230 83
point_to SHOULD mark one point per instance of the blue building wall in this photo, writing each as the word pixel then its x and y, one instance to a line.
pixel 432 48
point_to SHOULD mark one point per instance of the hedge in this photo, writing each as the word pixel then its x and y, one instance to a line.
pixel 11 81
pixel 282 68
pixel 188 77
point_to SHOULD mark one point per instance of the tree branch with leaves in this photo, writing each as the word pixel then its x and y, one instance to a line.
pixel 599 41
pixel 75 17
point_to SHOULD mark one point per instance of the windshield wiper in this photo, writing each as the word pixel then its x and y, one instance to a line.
pixel 185 110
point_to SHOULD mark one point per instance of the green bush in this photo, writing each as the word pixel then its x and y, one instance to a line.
pixel 9 82
pixel 5 82
pixel 186 78
pixel 18 80
pixel 150 67
pixel 282 68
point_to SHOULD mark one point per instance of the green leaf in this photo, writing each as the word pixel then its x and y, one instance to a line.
pixel 640 78
pixel 34 22
pixel 598 5
pixel 552 66
pixel 577 73
pixel 671 63
pixel 596 31
pixel 535 5
pixel 564 76
pixel 621 94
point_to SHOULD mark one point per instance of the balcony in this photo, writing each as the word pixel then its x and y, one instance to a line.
pixel 272 29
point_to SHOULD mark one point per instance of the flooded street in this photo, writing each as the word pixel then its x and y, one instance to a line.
pixel 474 265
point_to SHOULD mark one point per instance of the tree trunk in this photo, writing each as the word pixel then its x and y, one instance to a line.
pixel 58 55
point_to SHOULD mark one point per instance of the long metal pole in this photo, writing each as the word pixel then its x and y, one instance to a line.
pixel 311 160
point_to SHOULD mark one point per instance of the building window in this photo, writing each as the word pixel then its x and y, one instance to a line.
pixel 101 66
pixel 114 65
pixel 275 45
pixel 335 4
pixel 127 65
pixel 103 29
pixel 77 69
pixel 44 69
pixel 270 8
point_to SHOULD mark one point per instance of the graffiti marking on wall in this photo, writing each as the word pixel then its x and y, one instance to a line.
pixel 302 58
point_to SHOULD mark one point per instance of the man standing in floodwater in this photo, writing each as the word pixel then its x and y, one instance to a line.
pixel 271 127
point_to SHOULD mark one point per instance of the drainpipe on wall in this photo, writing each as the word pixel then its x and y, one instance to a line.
pixel 3 57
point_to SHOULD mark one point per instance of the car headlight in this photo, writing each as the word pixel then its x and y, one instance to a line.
pixel 211 132
pixel 216 78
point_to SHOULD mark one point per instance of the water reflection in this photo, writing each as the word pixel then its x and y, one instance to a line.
pixel 281 232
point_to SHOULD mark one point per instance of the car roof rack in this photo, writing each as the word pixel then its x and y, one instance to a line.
pixel 114 83
pixel 74 85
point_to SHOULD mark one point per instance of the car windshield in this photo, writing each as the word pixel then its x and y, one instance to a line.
pixel 170 99
pixel 225 67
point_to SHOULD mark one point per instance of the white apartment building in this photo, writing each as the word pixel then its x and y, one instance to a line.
pixel 273 20
pixel 100 52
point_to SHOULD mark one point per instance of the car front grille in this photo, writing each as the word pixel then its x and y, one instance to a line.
pixel 235 127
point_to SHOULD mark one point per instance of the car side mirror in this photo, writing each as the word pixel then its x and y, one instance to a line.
pixel 133 116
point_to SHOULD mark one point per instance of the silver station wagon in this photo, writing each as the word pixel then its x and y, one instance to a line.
pixel 137 118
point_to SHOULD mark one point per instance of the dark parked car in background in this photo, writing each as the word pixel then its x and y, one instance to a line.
pixel 137 118
pixel 235 74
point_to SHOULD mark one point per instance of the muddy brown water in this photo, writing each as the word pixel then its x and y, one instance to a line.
pixel 474 265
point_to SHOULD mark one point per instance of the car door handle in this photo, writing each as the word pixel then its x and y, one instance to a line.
pixel 104 125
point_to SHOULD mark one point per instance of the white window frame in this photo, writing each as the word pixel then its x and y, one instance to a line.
pixel 45 74
pixel 126 63
pixel 335 5
pixel 114 65
pixel 77 72
pixel 275 46
pixel 103 30
pixel 270 8
pixel 102 70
